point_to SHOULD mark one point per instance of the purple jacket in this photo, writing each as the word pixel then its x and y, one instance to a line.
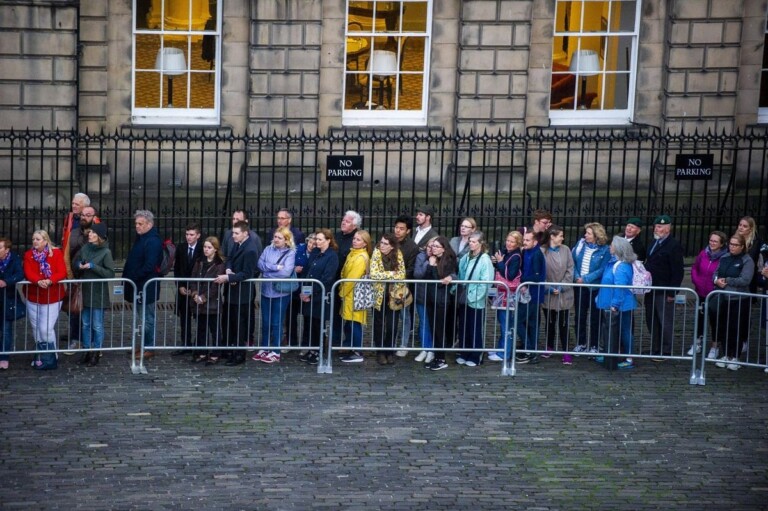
pixel 703 271
pixel 268 266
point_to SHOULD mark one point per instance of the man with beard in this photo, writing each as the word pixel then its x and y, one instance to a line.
pixel 76 239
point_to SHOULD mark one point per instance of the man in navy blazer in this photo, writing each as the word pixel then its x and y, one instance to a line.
pixel 238 295
pixel 186 255
pixel 665 263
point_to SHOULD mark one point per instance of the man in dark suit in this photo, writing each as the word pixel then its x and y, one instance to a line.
pixel 238 296
pixel 632 235
pixel 665 263
pixel 186 255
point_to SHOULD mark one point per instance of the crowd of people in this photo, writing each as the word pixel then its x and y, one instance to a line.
pixel 215 295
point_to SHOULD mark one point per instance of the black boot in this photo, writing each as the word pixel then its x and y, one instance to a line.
pixel 85 359
pixel 94 359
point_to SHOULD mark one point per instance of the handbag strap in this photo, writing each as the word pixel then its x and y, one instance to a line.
pixel 282 256
pixel 473 267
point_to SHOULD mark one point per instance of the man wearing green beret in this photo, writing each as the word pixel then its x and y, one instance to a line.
pixel 665 263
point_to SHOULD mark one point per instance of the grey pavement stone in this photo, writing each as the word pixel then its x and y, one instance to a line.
pixel 283 437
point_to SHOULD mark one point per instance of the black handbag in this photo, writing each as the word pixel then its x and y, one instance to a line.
pixel 15 309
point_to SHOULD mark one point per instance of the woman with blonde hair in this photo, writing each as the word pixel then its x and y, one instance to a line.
pixel 277 261
pixel 748 229
pixel 590 256
pixel 44 268
pixel 355 267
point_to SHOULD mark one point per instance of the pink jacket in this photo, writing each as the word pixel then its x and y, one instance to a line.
pixel 703 271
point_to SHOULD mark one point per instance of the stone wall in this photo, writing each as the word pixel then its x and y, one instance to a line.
pixel 38 58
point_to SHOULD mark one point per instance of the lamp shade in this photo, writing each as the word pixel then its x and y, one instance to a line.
pixel 585 63
pixel 171 61
pixel 383 63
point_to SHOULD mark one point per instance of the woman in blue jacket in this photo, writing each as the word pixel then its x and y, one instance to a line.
pixel 11 273
pixel 616 304
pixel 590 256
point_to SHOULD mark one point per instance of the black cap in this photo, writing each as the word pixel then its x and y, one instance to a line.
pixel 100 230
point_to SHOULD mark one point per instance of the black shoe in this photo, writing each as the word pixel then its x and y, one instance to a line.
pixel 523 359
pixel 534 359
pixel 94 359
pixel 436 365
pixel 313 358
pixel 304 357
pixel 179 353
pixel 234 360
pixel 85 359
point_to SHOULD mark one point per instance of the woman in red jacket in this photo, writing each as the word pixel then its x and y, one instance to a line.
pixel 44 268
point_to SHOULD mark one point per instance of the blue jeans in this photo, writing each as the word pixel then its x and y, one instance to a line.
pixel 7 338
pixel 407 315
pixel 501 317
pixel 92 318
pixel 149 326
pixel 272 316
pixel 353 334
pixel 528 324
pixel 425 333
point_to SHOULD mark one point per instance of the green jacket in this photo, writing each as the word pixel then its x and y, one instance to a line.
pixel 95 294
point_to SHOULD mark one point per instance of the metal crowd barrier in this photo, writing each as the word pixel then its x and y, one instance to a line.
pixel 56 334
pixel 178 327
pixel 403 331
pixel 675 321
pixel 735 326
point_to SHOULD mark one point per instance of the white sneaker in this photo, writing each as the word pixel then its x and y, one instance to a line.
pixel 469 363
pixel 460 361
pixel 713 353
pixel 421 356
pixel 734 367
pixel 579 348
pixel 593 350
pixel 401 353
pixel 494 357
pixel 765 370
pixel 430 357
pixel 696 346
pixel 722 362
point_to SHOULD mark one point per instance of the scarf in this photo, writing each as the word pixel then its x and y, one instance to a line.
pixel 42 260
pixel 714 256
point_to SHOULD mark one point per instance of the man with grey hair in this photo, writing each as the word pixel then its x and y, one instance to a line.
pixel 72 225
pixel 141 265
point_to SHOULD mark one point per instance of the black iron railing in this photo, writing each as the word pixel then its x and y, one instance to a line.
pixel 581 176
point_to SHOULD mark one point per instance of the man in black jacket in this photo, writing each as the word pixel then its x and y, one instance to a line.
pixel 632 235
pixel 238 295
pixel 402 231
pixel 141 265
pixel 186 255
pixel 665 263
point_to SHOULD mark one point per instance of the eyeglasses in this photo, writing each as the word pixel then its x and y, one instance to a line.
pixel 436 246
pixel 382 242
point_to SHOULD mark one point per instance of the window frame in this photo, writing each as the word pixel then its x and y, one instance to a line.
pixel 617 116
pixel 385 118
pixel 762 111
pixel 177 116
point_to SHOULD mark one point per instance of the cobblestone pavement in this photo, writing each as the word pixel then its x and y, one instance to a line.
pixel 370 437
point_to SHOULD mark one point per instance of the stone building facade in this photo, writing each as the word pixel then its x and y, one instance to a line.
pixel 284 66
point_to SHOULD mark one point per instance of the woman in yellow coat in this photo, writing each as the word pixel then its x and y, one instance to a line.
pixel 355 267
pixel 386 265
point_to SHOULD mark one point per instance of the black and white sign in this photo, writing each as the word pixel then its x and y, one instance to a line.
pixel 694 166
pixel 344 168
